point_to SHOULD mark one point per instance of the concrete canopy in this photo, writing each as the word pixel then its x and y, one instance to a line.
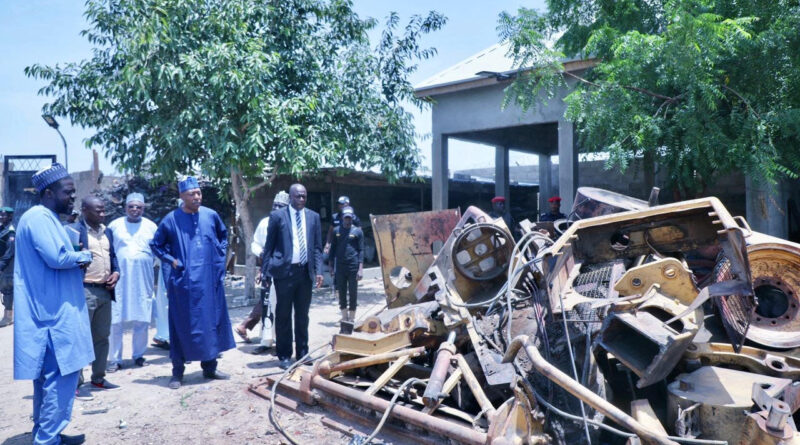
pixel 467 105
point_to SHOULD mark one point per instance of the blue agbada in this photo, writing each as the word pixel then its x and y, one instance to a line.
pixel 199 326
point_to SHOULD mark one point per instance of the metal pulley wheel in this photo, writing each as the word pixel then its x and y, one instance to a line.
pixel 482 251
pixel 775 270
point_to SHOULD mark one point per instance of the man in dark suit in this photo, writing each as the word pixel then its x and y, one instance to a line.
pixel 293 258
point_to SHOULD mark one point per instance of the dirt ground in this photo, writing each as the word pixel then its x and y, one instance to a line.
pixel 145 411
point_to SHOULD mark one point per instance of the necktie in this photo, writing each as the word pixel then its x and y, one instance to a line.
pixel 301 237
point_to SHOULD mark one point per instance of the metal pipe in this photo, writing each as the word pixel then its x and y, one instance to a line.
pixel 475 386
pixel 433 391
pixel 581 392
pixel 452 430
pixel 326 368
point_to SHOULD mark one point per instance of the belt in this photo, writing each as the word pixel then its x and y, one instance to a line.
pixel 103 285
pixel 299 266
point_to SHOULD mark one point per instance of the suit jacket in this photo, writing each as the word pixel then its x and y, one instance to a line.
pixel 278 250
pixel 83 229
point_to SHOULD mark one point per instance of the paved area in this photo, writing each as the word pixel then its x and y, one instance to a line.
pixel 145 411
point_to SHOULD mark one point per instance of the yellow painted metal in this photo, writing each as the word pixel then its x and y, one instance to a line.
pixel 673 278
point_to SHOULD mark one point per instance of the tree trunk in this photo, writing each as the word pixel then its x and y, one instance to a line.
pixel 241 197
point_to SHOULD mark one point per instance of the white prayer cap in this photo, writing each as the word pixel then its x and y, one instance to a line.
pixel 138 197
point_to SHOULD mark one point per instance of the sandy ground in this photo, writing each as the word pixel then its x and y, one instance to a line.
pixel 145 411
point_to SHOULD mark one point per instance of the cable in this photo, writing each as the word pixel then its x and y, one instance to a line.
pixel 274 390
pixel 388 411
pixel 574 368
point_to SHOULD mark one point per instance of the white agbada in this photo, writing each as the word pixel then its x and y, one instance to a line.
pixel 134 291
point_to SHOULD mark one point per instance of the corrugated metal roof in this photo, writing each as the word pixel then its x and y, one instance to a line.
pixel 492 59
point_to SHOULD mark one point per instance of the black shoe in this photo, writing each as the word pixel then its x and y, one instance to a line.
pixel 285 363
pixel 104 384
pixel 261 349
pixel 72 440
pixel 216 375
pixel 139 361
pixel 114 367
pixel 175 382
pixel 301 354
pixel 163 344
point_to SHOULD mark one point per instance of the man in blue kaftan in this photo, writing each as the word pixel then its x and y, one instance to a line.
pixel 52 337
pixel 193 240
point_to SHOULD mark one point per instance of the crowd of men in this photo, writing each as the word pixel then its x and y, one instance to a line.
pixel 78 285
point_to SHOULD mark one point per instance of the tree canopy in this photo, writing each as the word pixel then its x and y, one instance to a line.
pixel 249 85
pixel 706 87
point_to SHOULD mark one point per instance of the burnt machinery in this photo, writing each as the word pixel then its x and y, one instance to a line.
pixel 644 324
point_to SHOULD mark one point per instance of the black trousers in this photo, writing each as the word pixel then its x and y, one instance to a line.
pixel 293 292
pixel 347 281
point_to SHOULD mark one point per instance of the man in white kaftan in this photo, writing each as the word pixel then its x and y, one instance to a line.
pixel 134 292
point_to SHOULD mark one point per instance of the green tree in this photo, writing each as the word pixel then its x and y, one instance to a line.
pixel 705 86
pixel 242 90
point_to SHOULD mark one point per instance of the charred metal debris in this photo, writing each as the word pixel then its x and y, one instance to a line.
pixel 629 323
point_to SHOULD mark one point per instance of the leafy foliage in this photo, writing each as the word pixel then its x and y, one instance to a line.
pixel 251 86
pixel 705 86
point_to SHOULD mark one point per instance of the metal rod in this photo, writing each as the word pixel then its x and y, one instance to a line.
pixel 326 368
pixel 446 428
pixel 433 391
pixel 475 386
pixel 581 392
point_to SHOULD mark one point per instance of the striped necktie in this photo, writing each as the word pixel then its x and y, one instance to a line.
pixel 301 237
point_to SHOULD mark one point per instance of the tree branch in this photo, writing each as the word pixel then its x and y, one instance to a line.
pixel 627 87
pixel 263 183
pixel 746 103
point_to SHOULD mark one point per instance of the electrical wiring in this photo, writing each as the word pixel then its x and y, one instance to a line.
pixel 388 411
pixel 274 391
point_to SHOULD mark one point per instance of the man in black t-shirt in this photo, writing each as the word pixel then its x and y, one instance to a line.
pixel 347 256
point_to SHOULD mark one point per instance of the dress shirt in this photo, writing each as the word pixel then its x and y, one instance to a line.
pixel 295 243
pixel 100 268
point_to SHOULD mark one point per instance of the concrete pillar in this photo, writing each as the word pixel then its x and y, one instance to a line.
pixel 567 165
pixel 501 178
pixel 545 182
pixel 766 208
pixel 440 174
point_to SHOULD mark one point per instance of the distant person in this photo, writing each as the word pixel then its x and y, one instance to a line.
pixel 72 217
pixel 336 221
pixel 555 210
pixel 264 310
pixel 193 240
pixel 499 211
pixel 52 337
pixel 134 303
pixel 99 281
pixel 293 258
pixel 347 253
pixel 7 235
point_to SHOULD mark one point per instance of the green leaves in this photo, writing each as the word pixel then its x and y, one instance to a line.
pixel 706 86
pixel 242 85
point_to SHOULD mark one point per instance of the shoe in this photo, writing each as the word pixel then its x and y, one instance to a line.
pixel 261 349
pixel 175 382
pixel 285 363
pixel 216 375
pixel 112 368
pixel 72 440
pixel 242 333
pixel 82 394
pixel 139 361
pixel 301 354
pixel 163 344
pixel 105 384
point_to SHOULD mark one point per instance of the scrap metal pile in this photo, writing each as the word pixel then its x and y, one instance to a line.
pixel 631 323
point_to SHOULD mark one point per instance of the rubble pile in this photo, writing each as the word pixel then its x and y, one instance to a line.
pixel 638 323
pixel 160 198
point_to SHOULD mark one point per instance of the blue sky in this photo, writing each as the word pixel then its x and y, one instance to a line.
pixel 47 32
